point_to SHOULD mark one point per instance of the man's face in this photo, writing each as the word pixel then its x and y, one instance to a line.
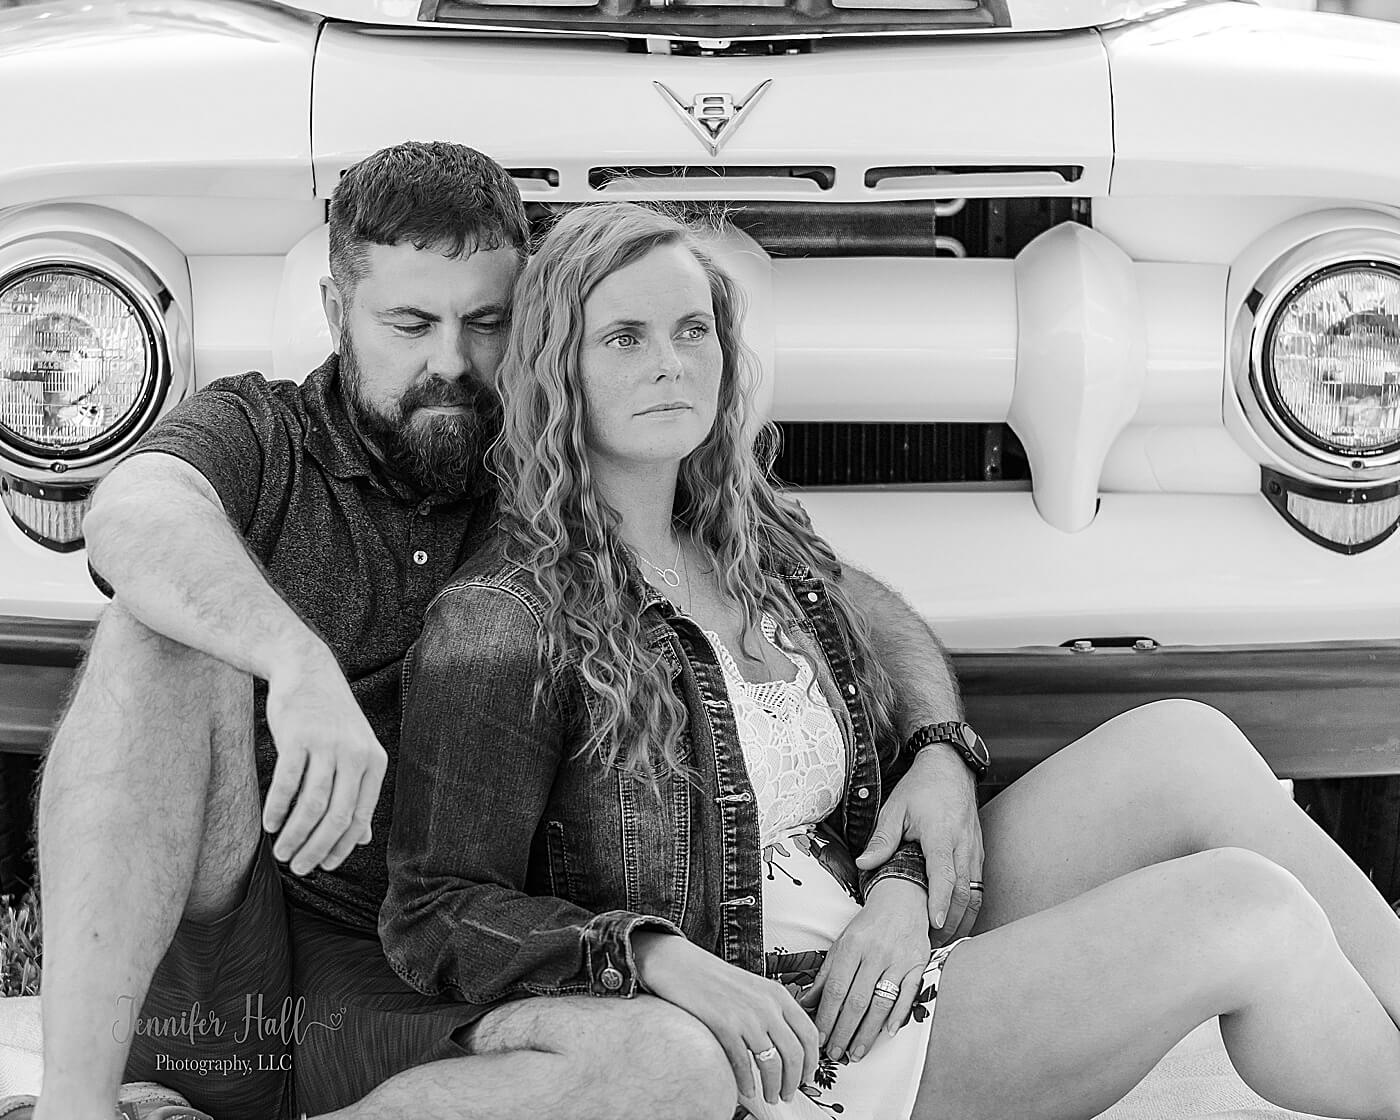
pixel 419 345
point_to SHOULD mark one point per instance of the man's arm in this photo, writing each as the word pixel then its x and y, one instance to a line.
pixel 935 802
pixel 926 690
pixel 159 535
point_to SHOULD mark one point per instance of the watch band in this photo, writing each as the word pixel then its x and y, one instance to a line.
pixel 958 735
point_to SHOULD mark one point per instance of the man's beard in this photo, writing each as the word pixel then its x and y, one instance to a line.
pixel 439 454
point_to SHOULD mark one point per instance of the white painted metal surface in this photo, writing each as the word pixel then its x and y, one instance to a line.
pixel 1232 99
pixel 1080 365
pixel 913 340
pixel 987 571
pixel 587 105
pixel 174 97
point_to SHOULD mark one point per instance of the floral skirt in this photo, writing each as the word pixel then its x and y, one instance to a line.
pixel 809 896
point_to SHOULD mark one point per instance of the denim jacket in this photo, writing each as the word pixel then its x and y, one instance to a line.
pixel 518 868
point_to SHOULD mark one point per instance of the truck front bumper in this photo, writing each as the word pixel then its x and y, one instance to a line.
pixel 1315 710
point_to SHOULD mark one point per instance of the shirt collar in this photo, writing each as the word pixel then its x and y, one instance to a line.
pixel 332 437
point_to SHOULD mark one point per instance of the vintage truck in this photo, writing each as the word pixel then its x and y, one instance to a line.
pixel 1081 318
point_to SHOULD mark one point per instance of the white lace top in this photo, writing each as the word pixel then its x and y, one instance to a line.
pixel 792 742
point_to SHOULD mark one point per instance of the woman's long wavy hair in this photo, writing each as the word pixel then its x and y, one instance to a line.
pixel 565 536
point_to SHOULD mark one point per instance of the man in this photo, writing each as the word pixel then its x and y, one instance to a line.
pixel 271 548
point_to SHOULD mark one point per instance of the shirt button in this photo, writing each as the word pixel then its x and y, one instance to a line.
pixel 424 508
pixel 811 596
pixel 420 557
pixel 863 792
pixel 612 979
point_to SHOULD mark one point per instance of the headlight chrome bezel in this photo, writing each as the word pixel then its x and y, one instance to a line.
pixel 160 319
pixel 1253 332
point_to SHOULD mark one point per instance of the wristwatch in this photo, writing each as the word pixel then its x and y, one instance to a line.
pixel 957 735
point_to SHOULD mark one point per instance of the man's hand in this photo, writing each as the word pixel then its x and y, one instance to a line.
pixel 935 803
pixel 887 940
pixel 328 760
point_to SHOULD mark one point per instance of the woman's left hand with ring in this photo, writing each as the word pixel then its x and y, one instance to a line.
pixel 872 972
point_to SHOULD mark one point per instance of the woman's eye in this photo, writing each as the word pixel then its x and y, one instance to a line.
pixel 623 341
pixel 488 326
pixel 698 331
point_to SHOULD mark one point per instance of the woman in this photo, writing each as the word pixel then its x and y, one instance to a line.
pixel 656 710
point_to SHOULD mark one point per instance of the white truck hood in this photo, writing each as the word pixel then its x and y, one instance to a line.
pixel 861 121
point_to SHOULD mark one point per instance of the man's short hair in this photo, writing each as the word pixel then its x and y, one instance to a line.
pixel 437 195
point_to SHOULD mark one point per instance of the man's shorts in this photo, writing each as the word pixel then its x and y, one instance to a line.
pixel 272 1011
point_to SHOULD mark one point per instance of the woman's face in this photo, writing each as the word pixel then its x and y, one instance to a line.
pixel 650 360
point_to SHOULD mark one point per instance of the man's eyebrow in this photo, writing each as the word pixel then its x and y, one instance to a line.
pixel 487 311
pixel 406 309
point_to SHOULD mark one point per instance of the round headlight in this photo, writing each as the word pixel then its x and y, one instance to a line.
pixel 1331 359
pixel 77 361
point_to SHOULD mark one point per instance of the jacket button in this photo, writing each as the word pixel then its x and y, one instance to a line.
pixel 811 596
pixel 851 689
pixel 420 557
pixel 612 979
pixel 863 792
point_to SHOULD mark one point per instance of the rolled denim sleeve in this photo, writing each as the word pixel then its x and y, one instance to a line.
pixel 477 761
pixel 908 859
pixel 906 863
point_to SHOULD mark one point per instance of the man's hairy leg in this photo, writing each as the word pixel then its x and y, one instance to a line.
pixel 148 811
pixel 569 1058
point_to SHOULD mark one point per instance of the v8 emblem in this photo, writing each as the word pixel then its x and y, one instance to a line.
pixel 713 116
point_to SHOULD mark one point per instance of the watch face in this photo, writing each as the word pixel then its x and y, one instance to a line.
pixel 975 745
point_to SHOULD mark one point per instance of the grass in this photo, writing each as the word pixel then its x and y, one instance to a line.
pixel 19 946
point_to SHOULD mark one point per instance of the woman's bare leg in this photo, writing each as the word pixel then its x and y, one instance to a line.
pixel 1060 1013
pixel 1164 781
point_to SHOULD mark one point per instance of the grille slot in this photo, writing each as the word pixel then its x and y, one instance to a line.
pixel 915 177
pixel 534 179
pixel 805 176
pixel 887 454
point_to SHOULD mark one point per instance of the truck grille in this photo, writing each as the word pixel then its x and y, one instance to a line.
pixel 974 227
pixel 867 454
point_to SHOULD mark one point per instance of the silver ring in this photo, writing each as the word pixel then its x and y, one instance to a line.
pixel 766 1055
pixel 974 884
pixel 887 989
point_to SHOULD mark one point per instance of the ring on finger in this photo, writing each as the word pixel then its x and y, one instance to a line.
pixel 766 1055
pixel 974 884
pixel 887 989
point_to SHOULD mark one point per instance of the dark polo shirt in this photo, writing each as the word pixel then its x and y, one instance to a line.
pixel 357 552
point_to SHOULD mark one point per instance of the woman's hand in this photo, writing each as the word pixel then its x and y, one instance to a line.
pixel 747 1014
pixel 888 939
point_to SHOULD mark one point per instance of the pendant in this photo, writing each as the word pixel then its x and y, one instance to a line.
pixel 671 576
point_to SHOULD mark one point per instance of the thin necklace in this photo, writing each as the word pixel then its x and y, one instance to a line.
pixel 671 577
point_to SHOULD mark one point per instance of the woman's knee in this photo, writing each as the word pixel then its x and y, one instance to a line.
pixel 1256 916
pixel 1185 740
